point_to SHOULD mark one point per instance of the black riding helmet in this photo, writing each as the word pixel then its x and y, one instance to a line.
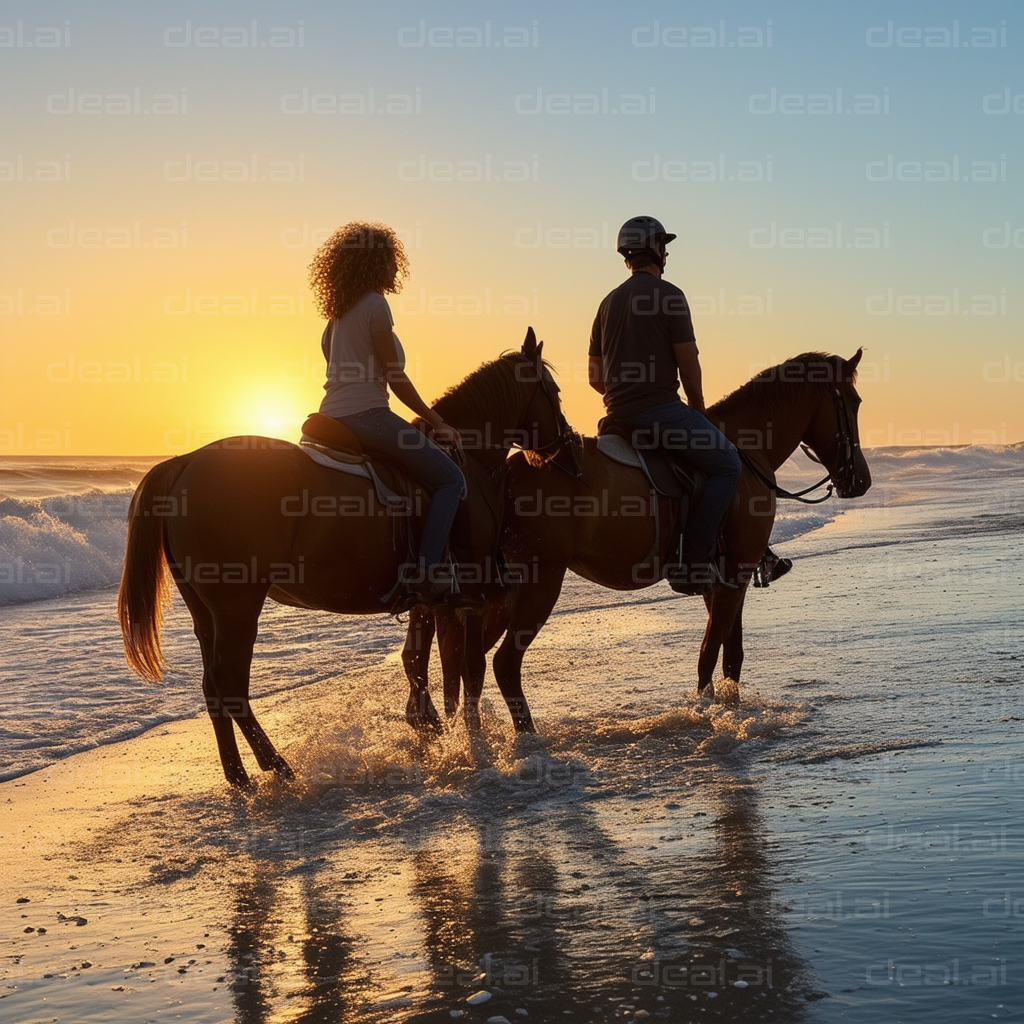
pixel 641 234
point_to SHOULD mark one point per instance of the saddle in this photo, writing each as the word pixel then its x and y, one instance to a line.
pixel 330 443
pixel 668 475
pixel 666 471
pixel 474 536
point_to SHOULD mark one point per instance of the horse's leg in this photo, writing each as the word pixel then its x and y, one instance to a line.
pixel 530 611
pixel 235 624
pixel 732 650
pixel 451 645
pixel 474 668
pixel 723 608
pixel 223 730
pixel 420 712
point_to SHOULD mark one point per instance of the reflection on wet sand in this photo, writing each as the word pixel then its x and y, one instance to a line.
pixel 490 919
pixel 299 965
pixel 719 925
pixel 554 906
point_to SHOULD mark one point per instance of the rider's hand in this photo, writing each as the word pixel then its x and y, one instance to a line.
pixel 445 434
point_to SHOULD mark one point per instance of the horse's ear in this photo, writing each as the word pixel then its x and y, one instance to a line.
pixel 540 349
pixel 850 365
pixel 530 345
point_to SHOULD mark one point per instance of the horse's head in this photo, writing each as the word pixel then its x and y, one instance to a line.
pixel 833 434
pixel 545 431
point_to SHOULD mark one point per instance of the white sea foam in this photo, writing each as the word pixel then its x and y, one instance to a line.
pixel 965 461
pixel 61 544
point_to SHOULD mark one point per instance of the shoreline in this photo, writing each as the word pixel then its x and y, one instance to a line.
pixel 398 878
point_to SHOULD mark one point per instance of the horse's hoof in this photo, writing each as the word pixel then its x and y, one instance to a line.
pixel 706 692
pixel 728 692
pixel 284 771
pixel 427 727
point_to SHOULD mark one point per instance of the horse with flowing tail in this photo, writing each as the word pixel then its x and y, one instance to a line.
pixel 247 518
pixel 604 525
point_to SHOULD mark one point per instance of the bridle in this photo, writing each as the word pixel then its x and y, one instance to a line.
pixel 565 436
pixel 846 443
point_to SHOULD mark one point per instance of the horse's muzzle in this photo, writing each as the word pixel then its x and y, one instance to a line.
pixel 858 482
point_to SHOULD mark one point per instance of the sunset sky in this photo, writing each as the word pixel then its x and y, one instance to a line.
pixel 837 175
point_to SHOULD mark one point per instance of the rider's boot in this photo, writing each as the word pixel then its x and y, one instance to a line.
pixel 431 586
pixel 701 575
pixel 770 568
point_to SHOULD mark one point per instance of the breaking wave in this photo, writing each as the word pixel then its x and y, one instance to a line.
pixel 61 545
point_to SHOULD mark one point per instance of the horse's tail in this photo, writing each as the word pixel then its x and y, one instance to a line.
pixel 145 583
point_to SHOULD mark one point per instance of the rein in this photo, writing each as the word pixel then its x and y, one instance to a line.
pixel 781 492
pixel 844 440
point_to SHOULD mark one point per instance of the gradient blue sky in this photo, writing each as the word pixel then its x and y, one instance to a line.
pixel 932 377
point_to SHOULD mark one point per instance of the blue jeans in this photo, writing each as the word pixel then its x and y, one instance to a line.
pixel 380 430
pixel 676 427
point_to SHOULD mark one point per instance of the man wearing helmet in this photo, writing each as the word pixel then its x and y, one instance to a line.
pixel 641 347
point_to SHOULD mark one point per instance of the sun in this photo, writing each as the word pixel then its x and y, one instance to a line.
pixel 272 412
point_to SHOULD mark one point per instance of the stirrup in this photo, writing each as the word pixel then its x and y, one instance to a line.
pixel 434 590
pixel 700 576
pixel 718 577
pixel 771 568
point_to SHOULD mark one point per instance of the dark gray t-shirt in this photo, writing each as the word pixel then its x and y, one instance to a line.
pixel 634 331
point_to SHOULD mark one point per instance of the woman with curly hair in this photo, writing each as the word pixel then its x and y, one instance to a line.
pixel 350 275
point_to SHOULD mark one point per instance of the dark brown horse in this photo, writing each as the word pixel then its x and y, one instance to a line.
pixel 601 526
pixel 247 518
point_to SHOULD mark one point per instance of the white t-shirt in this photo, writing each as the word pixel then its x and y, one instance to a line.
pixel 355 379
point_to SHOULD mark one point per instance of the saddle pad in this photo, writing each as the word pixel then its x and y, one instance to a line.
pixel 618 449
pixel 322 456
pixel 664 474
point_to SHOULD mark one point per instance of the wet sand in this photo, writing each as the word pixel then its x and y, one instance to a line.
pixel 842 844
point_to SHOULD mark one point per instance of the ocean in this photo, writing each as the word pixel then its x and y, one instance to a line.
pixel 843 843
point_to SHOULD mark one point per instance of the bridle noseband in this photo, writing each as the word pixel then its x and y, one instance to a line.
pixel 845 442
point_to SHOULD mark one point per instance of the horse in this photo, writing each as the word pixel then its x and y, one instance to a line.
pixel 557 520
pixel 247 518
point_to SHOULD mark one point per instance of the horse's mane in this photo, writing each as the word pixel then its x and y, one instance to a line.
pixel 791 377
pixel 491 385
